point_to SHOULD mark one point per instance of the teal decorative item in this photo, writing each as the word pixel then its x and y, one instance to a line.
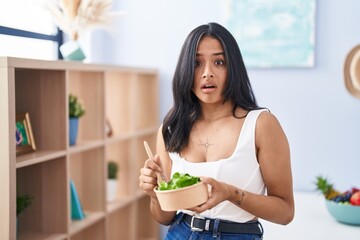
pixel 71 50
pixel 77 212
pixel 73 130
pixel 344 213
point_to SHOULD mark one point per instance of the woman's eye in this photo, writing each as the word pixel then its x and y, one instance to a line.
pixel 197 63
pixel 220 62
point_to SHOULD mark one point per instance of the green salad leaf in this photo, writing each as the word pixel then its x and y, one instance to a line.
pixel 179 180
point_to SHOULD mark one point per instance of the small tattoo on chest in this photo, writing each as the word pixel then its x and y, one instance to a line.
pixel 206 144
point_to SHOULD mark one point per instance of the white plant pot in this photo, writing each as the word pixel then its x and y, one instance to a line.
pixel 112 187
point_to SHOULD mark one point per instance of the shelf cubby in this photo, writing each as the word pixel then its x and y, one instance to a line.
pixel 41 93
pixel 89 88
pixel 87 171
pixel 120 222
pixel 119 91
pixel 94 232
pixel 146 112
pixel 47 215
pixel 120 152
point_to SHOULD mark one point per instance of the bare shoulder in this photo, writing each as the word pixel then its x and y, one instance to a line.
pixel 269 130
pixel 267 121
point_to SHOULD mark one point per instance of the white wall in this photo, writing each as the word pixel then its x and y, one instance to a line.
pixel 321 119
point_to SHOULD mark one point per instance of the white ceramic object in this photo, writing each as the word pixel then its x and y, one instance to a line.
pixel 112 187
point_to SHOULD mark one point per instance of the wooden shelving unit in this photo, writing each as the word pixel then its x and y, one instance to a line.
pixel 127 98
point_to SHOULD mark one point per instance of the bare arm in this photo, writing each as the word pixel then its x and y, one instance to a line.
pixel 274 158
pixel 148 179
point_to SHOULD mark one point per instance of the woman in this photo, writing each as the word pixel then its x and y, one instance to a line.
pixel 217 131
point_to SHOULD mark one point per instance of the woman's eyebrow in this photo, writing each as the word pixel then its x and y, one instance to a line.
pixel 215 54
pixel 219 53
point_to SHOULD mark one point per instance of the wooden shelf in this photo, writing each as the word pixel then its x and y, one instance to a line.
pixel 77 226
pixel 29 235
pixel 38 157
pixel 126 98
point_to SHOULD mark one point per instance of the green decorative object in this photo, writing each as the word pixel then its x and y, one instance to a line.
pixel 76 109
pixel 22 202
pixel 113 169
pixel 112 182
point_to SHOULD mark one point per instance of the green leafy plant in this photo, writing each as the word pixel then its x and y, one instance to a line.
pixel 76 109
pixel 179 180
pixel 113 168
pixel 22 202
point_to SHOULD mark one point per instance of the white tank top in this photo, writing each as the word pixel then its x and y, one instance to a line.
pixel 241 169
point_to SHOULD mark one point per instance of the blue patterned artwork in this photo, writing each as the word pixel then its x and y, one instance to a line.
pixel 274 33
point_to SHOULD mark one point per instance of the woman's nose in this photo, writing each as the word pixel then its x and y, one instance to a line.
pixel 207 72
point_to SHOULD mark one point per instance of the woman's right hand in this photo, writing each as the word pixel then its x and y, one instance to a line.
pixel 148 178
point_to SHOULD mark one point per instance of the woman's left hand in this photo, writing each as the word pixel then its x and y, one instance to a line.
pixel 219 192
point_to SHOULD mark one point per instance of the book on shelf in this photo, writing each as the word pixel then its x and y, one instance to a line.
pixel 77 212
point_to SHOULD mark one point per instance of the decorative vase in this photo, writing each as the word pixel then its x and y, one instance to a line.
pixel 73 130
pixel 112 186
pixel 71 50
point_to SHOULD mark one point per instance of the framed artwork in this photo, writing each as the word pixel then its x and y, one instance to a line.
pixel 273 33
pixel 25 142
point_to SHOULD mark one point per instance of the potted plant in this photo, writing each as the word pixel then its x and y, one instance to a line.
pixel 76 110
pixel 23 201
pixel 112 183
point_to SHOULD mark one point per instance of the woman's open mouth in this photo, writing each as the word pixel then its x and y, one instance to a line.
pixel 208 88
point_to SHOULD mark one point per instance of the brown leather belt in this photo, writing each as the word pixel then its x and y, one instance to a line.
pixel 199 224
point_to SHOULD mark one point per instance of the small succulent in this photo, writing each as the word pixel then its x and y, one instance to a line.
pixel 113 169
pixel 76 109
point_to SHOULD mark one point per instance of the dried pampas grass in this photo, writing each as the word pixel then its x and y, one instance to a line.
pixel 74 17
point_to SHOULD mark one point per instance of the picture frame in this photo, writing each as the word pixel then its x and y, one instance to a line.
pixel 25 142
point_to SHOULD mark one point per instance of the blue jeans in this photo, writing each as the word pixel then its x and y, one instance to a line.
pixel 180 230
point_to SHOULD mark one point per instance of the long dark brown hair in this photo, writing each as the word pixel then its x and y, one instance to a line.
pixel 186 109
